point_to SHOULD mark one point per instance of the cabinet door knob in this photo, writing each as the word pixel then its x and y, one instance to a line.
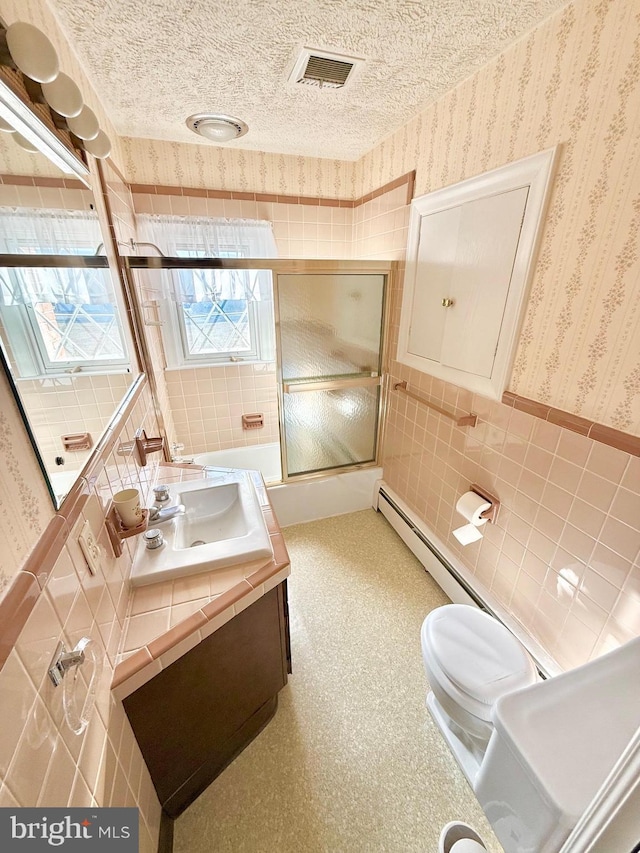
pixel 447 303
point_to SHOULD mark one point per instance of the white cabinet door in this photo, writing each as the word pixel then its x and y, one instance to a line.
pixel 439 236
pixel 487 243
pixel 472 247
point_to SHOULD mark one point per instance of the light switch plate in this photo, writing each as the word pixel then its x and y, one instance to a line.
pixel 90 548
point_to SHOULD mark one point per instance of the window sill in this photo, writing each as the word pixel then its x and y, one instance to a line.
pixel 213 364
pixel 69 374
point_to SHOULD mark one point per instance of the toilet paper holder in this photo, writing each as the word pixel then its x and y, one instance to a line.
pixel 492 512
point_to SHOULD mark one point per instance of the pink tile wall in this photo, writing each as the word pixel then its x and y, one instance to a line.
pixel 300 231
pixel 42 762
pixel 564 554
pixel 207 404
pixel 375 230
pixel 380 226
pixel 73 404
pixel 54 198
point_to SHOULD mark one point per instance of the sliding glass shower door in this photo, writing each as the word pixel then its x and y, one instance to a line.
pixel 329 339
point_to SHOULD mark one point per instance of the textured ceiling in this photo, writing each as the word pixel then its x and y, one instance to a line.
pixel 154 62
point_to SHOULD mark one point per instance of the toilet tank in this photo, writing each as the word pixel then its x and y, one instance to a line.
pixel 552 747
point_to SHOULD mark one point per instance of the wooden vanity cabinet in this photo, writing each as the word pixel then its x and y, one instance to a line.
pixel 193 718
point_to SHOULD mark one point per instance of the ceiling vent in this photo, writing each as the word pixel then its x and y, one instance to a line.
pixel 323 70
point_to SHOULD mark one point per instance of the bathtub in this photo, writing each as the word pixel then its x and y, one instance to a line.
pixel 304 500
pixel 61 482
pixel 257 457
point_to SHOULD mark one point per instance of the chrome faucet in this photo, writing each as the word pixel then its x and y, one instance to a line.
pixel 158 515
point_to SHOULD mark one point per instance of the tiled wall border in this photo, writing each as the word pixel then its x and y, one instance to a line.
pixel 21 597
pixel 54 183
pixel 194 192
pixel 598 432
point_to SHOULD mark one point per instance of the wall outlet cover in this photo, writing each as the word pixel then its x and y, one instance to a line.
pixel 90 548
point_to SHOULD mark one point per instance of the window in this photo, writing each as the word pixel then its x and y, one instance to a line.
pixel 212 316
pixel 58 318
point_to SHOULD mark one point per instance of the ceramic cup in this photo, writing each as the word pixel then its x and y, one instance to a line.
pixel 127 504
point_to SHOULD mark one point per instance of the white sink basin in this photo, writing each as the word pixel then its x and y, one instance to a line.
pixel 222 525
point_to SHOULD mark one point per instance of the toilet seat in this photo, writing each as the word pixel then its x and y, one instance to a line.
pixel 480 659
pixel 474 659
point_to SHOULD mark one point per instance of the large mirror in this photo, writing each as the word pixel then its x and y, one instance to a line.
pixel 64 338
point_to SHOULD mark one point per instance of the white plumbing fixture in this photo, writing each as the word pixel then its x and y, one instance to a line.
pixel 210 524
pixel 553 746
pixel 471 660
pixel 458 837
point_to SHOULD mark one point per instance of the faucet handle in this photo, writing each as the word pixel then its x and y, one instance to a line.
pixel 153 539
pixel 161 493
pixel 144 445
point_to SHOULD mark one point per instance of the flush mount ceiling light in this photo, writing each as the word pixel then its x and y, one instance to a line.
pixel 217 128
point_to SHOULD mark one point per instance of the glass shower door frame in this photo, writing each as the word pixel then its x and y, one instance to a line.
pixel 276 266
pixel 364 380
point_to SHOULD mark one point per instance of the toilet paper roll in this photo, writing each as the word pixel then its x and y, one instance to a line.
pixel 471 506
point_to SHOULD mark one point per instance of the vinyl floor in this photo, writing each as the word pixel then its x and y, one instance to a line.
pixel 351 762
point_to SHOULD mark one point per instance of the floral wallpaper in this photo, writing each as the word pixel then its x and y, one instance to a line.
pixel 573 82
pixel 25 505
pixel 152 161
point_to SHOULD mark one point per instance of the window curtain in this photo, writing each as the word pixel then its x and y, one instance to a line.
pixel 40 231
pixel 207 237
pixel 37 231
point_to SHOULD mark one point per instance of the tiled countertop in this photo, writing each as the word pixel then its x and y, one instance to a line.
pixel 166 620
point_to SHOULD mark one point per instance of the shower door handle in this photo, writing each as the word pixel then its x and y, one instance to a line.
pixel 333 384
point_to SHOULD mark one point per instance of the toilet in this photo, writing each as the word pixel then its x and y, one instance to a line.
pixel 471 660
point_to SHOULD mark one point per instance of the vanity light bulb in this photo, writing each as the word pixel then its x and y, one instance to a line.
pixel 63 96
pixel 25 144
pixel 85 125
pixel 32 52
pixel 100 147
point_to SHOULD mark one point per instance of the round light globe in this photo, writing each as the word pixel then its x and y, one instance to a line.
pixel 25 144
pixel 32 52
pixel 100 147
pixel 63 96
pixel 85 125
pixel 217 128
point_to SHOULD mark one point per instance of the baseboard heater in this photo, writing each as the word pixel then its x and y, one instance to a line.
pixel 446 575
